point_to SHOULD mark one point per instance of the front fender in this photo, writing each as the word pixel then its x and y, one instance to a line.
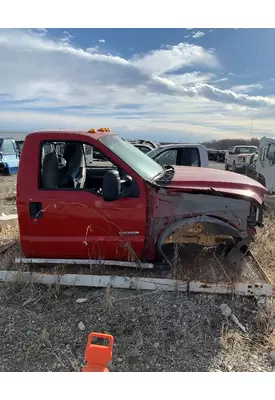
pixel 213 226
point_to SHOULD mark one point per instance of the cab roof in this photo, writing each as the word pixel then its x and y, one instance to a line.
pixel 95 135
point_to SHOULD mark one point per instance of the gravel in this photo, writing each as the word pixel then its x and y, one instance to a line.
pixel 152 331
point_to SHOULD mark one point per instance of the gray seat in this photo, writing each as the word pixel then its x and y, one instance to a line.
pixel 73 175
pixel 49 172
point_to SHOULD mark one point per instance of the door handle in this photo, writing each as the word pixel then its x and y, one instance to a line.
pixel 35 210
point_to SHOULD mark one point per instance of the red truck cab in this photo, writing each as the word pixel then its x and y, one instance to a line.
pixel 126 208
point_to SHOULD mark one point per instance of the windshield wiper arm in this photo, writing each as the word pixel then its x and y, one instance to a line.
pixel 167 170
pixel 162 173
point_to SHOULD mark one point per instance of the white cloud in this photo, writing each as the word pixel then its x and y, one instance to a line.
pixel 220 80
pixel 228 96
pixel 198 35
pixel 66 37
pixel 175 57
pixel 144 92
pixel 247 88
pixel 102 40
pixel 39 31
pixel 190 78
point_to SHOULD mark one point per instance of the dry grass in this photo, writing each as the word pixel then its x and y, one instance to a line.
pixel 264 245
pixel 9 231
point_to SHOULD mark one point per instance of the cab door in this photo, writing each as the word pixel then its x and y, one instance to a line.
pixel 78 223
pixel 75 224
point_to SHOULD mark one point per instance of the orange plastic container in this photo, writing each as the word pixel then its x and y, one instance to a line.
pixel 98 356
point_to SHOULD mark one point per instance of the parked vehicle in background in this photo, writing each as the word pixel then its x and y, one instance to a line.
pixel 143 147
pixel 265 164
pixel 221 155
pixel 237 157
pixel 212 154
pixel 131 207
pixel 251 167
pixel 149 143
pixel 192 155
pixel 19 145
pixel 9 158
pixel 88 151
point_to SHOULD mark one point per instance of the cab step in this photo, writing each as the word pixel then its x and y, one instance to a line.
pixel 89 262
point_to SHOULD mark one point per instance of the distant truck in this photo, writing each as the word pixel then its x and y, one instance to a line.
pixel 237 157
pixel 128 209
pixel 251 171
pixel 265 164
pixel 9 157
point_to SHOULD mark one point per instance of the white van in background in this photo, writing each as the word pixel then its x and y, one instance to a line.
pixel 265 164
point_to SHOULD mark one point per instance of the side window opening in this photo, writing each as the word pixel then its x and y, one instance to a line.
pixel 168 157
pixel 74 166
pixel 190 157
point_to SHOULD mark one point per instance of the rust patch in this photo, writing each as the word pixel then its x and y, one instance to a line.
pixel 205 286
pixel 203 240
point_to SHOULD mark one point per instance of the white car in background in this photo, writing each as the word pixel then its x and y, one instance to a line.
pixel 238 157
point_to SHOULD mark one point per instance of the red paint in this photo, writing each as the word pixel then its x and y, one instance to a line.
pixel 80 224
pixel 224 181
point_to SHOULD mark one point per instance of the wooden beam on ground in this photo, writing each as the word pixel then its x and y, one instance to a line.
pixel 124 282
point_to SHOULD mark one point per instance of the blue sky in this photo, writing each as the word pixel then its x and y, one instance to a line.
pixel 161 84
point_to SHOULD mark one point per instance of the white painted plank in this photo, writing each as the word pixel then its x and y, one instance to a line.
pixel 254 289
pixel 7 220
pixel 120 282
pixel 242 289
pixel 214 288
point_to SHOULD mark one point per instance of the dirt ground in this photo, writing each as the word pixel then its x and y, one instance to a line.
pixel 153 331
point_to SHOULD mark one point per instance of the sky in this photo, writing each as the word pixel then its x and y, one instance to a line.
pixel 185 85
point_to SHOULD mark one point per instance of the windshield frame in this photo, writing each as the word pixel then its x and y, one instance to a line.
pixel 138 161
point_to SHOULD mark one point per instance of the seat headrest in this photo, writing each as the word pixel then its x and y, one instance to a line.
pixel 70 149
pixel 49 173
pixel 74 156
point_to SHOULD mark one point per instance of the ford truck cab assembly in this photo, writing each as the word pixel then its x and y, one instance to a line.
pixel 128 208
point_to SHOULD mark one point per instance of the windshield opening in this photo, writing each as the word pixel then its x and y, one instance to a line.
pixel 142 164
